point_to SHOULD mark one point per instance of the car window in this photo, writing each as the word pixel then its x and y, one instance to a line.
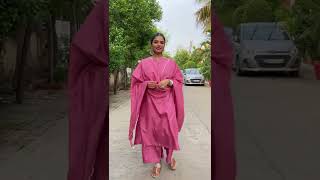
pixel 263 32
pixel 192 71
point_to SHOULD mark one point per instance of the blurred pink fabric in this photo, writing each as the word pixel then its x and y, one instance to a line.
pixel 88 100
pixel 223 130
pixel 153 154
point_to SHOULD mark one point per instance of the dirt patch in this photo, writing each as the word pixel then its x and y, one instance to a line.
pixel 21 124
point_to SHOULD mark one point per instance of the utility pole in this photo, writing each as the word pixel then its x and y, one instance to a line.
pixel 190 47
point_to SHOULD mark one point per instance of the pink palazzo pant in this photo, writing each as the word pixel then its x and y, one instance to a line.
pixel 153 154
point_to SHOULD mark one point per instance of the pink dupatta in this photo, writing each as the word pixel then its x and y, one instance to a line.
pixel 224 156
pixel 144 73
pixel 88 101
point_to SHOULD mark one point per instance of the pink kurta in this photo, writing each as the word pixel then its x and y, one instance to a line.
pixel 156 114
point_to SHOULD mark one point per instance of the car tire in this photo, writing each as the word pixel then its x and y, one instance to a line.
pixel 294 74
pixel 239 72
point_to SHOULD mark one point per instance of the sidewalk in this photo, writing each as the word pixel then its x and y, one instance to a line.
pixel 34 142
pixel 45 158
pixel 35 145
pixel 21 124
pixel 193 160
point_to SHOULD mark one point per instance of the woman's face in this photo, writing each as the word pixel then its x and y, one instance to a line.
pixel 158 45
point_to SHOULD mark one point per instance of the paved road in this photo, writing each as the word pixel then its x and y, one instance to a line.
pixel 277 122
pixel 195 140
pixel 46 157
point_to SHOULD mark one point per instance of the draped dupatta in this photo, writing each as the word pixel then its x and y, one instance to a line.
pixel 88 101
pixel 223 137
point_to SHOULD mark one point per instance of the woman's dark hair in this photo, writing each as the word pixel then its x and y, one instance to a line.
pixel 157 34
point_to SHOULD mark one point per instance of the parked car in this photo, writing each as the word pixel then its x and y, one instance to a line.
pixel 265 47
pixel 193 76
pixel 229 34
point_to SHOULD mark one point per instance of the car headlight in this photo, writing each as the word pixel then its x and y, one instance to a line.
pixel 294 50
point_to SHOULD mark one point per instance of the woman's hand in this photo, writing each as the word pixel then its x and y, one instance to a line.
pixel 164 83
pixel 152 84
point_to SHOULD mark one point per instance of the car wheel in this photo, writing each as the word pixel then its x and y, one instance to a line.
pixel 294 74
pixel 239 72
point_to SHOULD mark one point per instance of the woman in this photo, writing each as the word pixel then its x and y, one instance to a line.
pixel 157 110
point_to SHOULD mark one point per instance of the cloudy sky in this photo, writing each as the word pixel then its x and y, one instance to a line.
pixel 179 23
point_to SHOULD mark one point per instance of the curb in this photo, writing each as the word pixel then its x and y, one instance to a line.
pixel 307 71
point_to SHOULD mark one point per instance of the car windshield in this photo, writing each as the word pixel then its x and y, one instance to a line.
pixel 263 32
pixel 192 71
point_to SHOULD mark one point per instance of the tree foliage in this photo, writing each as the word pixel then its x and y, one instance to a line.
pixel 302 22
pixel 131 27
pixel 203 15
pixel 181 57
pixel 253 11
pixel 199 57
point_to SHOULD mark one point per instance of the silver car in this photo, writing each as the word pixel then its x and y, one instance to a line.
pixel 265 47
pixel 193 76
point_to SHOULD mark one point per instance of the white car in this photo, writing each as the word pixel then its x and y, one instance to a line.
pixel 265 47
pixel 193 76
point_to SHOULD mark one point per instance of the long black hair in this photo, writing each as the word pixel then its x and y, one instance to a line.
pixel 157 34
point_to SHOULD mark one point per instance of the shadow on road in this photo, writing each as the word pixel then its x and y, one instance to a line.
pixel 268 75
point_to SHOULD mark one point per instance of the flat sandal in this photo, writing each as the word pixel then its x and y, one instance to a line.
pixel 173 164
pixel 156 171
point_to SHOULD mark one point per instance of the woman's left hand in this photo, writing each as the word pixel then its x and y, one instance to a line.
pixel 163 84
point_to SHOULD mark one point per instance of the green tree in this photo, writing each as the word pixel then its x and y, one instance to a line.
pixel 205 65
pixel 20 24
pixel 306 25
pixel 182 56
pixel 203 15
pixel 253 11
pixel 302 22
pixel 18 20
pixel 132 25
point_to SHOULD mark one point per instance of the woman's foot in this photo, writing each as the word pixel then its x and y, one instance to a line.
pixel 173 164
pixel 156 170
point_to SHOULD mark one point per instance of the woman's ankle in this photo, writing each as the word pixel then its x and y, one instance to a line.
pixel 158 165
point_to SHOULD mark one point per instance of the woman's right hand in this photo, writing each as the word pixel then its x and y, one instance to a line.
pixel 152 84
